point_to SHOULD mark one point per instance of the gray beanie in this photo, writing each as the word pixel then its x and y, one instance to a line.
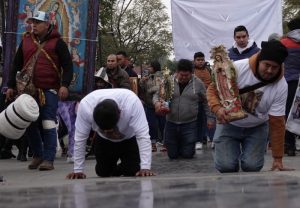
pixel 18 116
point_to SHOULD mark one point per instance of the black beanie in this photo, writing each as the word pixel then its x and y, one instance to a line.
pixel 273 51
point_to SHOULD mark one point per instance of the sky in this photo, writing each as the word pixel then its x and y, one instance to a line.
pixel 167 3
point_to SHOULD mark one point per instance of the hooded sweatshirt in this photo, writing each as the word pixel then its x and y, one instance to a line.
pixel 292 62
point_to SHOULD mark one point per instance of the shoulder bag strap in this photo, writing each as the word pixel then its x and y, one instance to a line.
pixel 252 87
pixel 32 61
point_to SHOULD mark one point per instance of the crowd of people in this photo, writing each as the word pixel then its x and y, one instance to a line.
pixel 125 125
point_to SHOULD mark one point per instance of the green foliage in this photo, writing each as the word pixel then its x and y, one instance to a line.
pixel 291 9
pixel 171 64
pixel 139 27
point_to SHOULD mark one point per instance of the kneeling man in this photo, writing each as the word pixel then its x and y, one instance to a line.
pixel 118 118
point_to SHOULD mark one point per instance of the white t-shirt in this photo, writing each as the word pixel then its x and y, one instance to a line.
pixel 132 122
pixel 268 100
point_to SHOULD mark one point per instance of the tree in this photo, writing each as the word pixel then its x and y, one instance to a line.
pixel 140 27
pixel 291 9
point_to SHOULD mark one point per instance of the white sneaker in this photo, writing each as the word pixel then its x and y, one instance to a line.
pixel 199 146
pixel 70 160
pixel 212 145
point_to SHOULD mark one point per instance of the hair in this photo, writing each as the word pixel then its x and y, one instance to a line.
pixel 294 24
pixel 112 55
pixel 106 114
pixel 122 53
pixel 185 65
pixel 156 65
pixel 240 28
pixel 198 55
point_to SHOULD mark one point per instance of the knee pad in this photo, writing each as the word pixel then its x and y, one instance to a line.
pixel 48 124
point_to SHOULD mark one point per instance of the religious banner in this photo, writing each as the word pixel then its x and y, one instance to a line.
pixel 76 21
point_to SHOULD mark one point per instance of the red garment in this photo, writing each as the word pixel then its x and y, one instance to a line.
pixel 45 76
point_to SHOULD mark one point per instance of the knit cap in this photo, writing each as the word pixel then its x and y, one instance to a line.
pixel 273 51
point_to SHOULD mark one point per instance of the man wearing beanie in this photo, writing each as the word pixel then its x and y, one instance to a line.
pixel 118 118
pixel 242 143
pixel 291 74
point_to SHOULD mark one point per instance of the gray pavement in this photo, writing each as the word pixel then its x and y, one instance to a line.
pixel 179 183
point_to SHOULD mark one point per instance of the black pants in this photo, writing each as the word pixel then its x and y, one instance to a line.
pixel 290 141
pixel 108 153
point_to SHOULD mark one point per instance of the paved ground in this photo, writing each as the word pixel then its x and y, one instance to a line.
pixel 181 183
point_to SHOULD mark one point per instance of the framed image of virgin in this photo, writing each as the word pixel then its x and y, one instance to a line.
pixel 75 20
pixel 224 79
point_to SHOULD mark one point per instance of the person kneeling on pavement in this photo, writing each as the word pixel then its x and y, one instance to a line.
pixel 118 118
pixel 242 143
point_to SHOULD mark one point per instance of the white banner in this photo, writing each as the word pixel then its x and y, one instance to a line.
pixel 198 25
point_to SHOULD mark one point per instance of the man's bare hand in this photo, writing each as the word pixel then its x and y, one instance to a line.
pixel 210 124
pixel 278 165
pixel 9 94
pixel 221 115
pixel 63 93
pixel 145 172
pixel 76 176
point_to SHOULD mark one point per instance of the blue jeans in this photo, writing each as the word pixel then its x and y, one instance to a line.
pixel 42 139
pixel 203 131
pixel 156 124
pixel 180 139
pixel 236 144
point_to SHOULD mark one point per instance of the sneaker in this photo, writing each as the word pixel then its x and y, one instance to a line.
pixel 46 165
pixel 70 160
pixel 198 146
pixel 212 145
pixel 35 163
pixel 160 143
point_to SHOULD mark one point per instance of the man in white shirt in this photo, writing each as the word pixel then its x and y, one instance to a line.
pixel 242 143
pixel 118 118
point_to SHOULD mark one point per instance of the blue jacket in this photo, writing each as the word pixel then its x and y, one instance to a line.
pixel 235 55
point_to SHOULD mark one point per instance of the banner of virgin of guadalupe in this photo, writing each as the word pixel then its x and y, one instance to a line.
pixel 76 21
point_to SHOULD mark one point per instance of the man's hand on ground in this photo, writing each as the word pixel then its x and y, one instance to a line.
pixel 278 165
pixel 76 176
pixel 145 172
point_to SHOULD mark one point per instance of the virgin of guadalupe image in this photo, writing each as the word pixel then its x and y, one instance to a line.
pixel 224 78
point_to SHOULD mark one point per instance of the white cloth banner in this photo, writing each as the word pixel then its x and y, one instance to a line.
pixel 198 25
